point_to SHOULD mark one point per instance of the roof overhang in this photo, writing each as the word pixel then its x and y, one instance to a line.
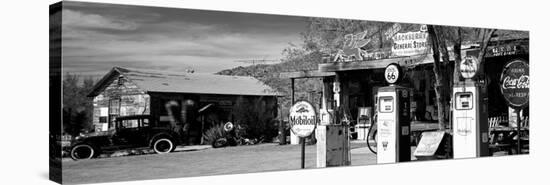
pixel 375 64
pixel 306 74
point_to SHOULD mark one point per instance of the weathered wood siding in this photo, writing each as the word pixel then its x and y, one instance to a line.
pixel 136 101
pixel 133 101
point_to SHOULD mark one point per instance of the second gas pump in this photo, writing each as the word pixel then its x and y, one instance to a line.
pixel 394 127
pixel 470 124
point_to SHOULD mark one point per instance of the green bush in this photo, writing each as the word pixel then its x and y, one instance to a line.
pixel 256 117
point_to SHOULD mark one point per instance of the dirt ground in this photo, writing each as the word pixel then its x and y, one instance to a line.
pixel 229 160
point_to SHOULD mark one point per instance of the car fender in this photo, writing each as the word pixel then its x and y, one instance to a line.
pixel 162 134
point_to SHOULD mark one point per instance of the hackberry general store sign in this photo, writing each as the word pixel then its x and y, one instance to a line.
pixel 303 119
pixel 410 43
pixel 514 83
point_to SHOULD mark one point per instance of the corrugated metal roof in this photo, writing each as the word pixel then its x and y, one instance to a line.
pixel 197 83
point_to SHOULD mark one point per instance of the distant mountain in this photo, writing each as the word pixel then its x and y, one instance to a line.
pixel 269 74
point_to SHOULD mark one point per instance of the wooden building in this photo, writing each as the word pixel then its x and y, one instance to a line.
pixel 202 99
pixel 359 81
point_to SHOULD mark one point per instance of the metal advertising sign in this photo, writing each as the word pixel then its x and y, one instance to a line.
pixel 393 73
pixel 410 43
pixel 303 118
pixel 468 67
pixel 352 47
pixel 392 31
pixel 514 83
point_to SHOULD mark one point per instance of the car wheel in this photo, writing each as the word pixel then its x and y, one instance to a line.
pixel 163 146
pixel 83 151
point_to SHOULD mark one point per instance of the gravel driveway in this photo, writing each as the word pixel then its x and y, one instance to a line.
pixel 229 160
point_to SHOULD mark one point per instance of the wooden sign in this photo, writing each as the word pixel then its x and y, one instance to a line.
pixel 514 83
pixel 410 43
pixel 303 119
pixel 429 143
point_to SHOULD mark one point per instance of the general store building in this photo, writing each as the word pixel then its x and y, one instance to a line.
pixel 204 100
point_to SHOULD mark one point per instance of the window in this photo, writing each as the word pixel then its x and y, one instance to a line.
pixel 103 119
pixel 120 80
pixel 145 122
pixel 114 106
pixel 131 123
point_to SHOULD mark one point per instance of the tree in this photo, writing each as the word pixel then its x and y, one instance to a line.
pixel 441 37
pixel 256 117
pixel 77 108
pixel 439 86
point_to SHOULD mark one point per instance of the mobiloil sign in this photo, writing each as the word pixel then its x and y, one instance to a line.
pixel 303 120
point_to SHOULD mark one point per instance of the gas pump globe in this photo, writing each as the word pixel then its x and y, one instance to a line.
pixel 470 124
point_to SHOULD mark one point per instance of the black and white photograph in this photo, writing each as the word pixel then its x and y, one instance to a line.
pixel 185 92
pixel 154 92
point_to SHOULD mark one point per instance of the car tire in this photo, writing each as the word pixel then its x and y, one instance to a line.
pixel 220 142
pixel 163 145
pixel 83 151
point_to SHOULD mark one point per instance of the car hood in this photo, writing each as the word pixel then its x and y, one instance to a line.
pixel 95 134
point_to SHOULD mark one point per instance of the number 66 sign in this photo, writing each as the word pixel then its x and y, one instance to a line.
pixel 393 73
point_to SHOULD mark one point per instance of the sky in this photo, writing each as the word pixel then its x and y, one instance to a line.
pixel 97 37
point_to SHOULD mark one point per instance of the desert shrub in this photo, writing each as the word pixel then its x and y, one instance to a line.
pixel 214 133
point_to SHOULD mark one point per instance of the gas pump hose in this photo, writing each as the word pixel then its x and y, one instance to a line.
pixel 372 133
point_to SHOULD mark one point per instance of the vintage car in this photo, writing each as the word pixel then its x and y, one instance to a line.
pixel 136 131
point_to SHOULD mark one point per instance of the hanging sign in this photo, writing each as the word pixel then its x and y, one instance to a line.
pixel 468 67
pixel 514 83
pixel 352 45
pixel 303 119
pixel 393 73
pixel 388 34
pixel 410 43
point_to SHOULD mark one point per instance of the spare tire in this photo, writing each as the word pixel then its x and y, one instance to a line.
pixel 83 151
pixel 220 142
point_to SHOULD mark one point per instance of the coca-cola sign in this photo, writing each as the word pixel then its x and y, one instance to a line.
pixel 514 83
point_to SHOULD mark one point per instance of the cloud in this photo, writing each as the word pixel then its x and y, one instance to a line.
pixel 77 19
pixel 169 39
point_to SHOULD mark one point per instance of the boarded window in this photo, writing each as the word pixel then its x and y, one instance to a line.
pixel 103 119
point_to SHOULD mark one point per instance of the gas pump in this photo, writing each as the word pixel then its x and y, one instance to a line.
pixel 470 124
pixel 332 138
pixel 393 144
